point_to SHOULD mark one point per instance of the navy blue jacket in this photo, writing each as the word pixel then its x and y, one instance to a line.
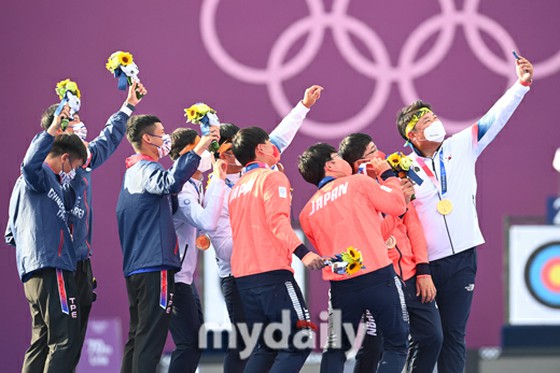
pixel 38 222
pixel 100 149
pixel 144 216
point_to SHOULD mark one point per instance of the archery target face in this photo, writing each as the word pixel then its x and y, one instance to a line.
pixel 534 275
pixel 542 274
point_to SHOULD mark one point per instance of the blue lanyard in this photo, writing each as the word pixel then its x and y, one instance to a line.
pixel 324 181
pixel 198 191
pixel 253 165
pixel 229 183
pixel 443 174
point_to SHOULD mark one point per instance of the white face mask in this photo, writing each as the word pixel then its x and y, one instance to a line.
pixel 66 178
pixel 435 132
pixel 80 130
pixel 205 162
pixel 165 147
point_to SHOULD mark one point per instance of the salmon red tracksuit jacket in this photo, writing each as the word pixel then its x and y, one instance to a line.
pixel 263 238
pixel 345 212
pixel 410 255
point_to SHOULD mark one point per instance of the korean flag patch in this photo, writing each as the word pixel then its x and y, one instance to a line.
pixel 282 192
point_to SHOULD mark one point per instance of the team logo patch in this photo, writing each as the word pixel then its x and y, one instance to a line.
pixel 282 192
pixel 387 189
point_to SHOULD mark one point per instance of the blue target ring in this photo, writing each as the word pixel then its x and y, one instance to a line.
pixel 542 274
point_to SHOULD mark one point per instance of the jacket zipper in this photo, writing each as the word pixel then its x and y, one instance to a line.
pixel 399 261
pixel 443 216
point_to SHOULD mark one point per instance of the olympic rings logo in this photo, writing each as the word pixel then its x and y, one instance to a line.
pixel 380 69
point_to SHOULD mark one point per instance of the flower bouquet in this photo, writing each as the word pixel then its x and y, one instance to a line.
pixel 348 262
pixel 205 116
pixel 402 165
pixel 69 94
pixel 122 66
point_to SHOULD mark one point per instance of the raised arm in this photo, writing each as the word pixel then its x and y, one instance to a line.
pixel 172 180
pixel 105 144
pixel 488 127
pixel 32 167
pixel 286 130
pixel 387 195
pixel 160 181
pixel 192 212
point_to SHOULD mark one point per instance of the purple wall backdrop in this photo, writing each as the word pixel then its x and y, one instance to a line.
pixel 44 42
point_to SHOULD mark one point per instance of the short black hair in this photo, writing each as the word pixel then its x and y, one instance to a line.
pixel 312 162
pixel 245 142
pixel 71 144
pixel 137 126
pixel 353 147
pixel 404 116
pixel 48 116
pixel 227 131
pixel 180 138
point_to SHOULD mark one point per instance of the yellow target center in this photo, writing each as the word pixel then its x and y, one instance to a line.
pixel 555 275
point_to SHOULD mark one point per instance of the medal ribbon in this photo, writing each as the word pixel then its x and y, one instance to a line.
pixel 441 187
pixel 324 181
pixel 228 182
pixel 199 191
pixel 253 165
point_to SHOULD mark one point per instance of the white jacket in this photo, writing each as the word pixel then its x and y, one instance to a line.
pixel 459 230
pixel 191 218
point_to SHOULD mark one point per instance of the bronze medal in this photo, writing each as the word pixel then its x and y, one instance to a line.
pixel 203 242
pixel 391 242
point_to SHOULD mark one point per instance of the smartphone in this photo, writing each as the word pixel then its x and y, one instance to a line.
pixel 515 55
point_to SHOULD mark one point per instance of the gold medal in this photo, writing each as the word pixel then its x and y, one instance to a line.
pixel 202 242
pixel 391 242
pixel 445 207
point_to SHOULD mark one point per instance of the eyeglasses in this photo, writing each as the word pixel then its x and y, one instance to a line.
pixel 334 158
pixel 371 152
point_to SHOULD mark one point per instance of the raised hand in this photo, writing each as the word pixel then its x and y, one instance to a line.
pixel 524 70
pixel 57 121
pixel 219 168
pixel 311 95
pixel 408 190
pixel 379 166
pixel 206 140
pixel 135 90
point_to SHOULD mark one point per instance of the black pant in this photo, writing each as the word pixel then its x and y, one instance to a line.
pixel 426 336
pixel 233 363
pixel 454 278
pixel 86 284
pixel 186 321
pixel 379 292
pixel 55 320
pixel 150 299
pixel 264 307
